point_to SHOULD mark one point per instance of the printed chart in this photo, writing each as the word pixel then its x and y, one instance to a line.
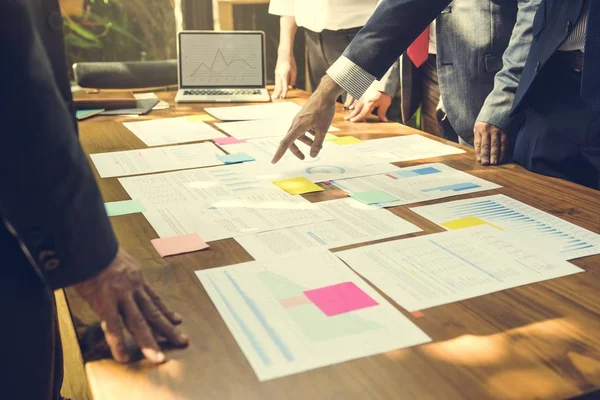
pixel 290 315
pixel 528 225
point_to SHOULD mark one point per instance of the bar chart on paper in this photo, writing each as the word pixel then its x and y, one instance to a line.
pixel 528 224
pixel 415 184
pixel 288 319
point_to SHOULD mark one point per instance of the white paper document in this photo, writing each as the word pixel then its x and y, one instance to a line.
pixel 332 155
pixel 259 129
pixel 199 186
pixel 534 228
pixel 277 110
pixel 161 105
pixel 313 171
pixel 415 184
pixel 159 132
pixel 432 270
pixel 295 314
pixel 146 161
pixel 401 148
pixel 352 223
pixel 236 217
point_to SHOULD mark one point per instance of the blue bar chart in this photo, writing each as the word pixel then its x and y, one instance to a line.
pixel 528 224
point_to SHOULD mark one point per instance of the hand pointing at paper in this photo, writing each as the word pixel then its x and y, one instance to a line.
pixel 315 117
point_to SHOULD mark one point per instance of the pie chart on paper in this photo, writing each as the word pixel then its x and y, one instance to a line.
pixel 325 169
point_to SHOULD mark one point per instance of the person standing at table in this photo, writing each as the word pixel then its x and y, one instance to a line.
pixel 477 66
pixel 54 231
pixel 558 94
pixel 329 26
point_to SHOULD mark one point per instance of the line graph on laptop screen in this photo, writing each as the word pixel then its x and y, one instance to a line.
pixel 221 59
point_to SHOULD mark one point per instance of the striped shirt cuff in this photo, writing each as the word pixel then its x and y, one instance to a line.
pixel 350 77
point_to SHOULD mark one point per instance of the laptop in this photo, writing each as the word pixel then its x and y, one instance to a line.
pixel 223 66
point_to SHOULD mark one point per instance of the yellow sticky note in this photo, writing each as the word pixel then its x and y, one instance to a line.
pixel 467 222
pixel 200 117
pixel 345 140
pixel 329 137
pixel 298 186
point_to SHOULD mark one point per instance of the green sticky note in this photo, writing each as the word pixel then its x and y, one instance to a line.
pixel 373 197
pixel 115 208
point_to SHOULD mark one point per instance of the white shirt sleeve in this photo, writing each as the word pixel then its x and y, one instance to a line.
pixel 284 8
pixel 352 78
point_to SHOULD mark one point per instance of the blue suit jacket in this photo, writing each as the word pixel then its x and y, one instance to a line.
pixel 48 196
pixel 553 23
pixel 482 46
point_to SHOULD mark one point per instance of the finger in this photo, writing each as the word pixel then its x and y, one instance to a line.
pixel 485 148
pixel 495 147
pixel 317 144
pixel 113 333
pixel 138 327
pixel 477 145
pixel 158 320
pixel 306 140
pixel 381 113
pixel 349 101
pixel 277 90
pixel 503 147
pixel 293 76
pixel 358 106
pixel 363 114
pixel 297 129
pixel 172 316
pixel 296 151
pixel 284 87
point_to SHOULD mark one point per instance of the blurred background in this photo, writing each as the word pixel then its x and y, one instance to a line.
pixel 146 30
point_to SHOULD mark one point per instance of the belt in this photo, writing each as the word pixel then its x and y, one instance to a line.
pixel 574 59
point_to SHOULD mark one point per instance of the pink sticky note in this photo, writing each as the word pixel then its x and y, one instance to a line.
pixel 340 298
pixel 227 140
pixel 179 244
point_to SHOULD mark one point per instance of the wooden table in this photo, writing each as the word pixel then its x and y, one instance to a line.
pixel 538 341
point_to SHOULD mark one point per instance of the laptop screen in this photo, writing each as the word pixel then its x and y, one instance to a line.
pixel 221 59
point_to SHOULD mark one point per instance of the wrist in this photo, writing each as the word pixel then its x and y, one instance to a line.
pixel 285 51
pixel 329 89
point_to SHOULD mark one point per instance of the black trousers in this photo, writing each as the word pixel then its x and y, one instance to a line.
pixel 327 46
pixel 29 339
pixel 561 135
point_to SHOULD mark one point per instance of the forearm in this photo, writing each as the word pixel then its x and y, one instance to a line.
pixel 394 25
pixel 49 195
pixel 497 107
pixel 287 34
pixel 391 80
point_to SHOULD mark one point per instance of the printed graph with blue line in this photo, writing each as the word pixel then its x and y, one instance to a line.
pixel 527 223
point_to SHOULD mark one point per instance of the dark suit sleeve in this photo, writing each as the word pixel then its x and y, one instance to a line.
pixel 48 194
pixel 394 25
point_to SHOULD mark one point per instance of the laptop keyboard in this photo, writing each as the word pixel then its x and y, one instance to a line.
pixel 219 92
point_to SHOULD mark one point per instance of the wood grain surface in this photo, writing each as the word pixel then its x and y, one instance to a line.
pixel 539 341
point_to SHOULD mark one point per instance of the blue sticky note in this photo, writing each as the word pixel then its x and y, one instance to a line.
pixel 124 207
pixel 235 158
pixel 373 197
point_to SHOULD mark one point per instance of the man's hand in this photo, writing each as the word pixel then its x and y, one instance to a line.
pixel 286 72
pixel 120 295
pixel 491 144
pixel 350 102
pixel 371 100
pixel 315 117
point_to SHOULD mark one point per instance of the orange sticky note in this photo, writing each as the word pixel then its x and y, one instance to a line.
pixel 179 244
